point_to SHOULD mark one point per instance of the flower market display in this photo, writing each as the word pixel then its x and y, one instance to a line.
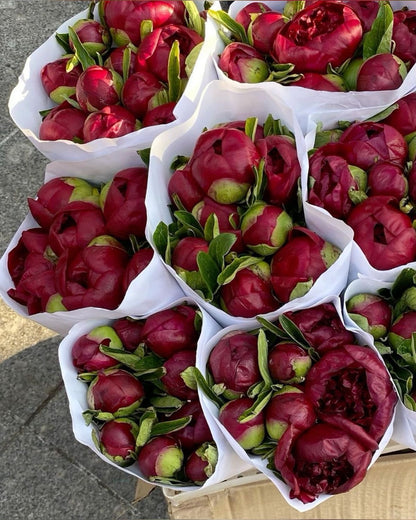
pixel 225 236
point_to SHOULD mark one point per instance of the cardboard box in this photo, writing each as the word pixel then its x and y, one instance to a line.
pixel 387 492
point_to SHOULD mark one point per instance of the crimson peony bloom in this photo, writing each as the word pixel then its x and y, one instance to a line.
pixel 321 34
pixel 383 232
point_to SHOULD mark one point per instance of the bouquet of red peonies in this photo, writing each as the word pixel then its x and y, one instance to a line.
pixel 134 400
pixel 113 74
pixel 361 172
pixel 385 312
pixel 347 49
pixel 302 398
pixel 230 227
pixel 82 248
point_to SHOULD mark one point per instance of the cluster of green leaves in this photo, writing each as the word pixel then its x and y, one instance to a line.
pixel 219 265
pixel 401 359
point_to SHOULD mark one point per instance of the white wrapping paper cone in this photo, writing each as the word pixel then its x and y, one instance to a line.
pixel 148 292
pixel 228 463
pixel 404 430
pixel 359 265
pixel 305 100
pixel 28 98
pixel 259 463
pixel 221 102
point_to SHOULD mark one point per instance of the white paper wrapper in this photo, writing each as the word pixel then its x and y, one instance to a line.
pixel 329 119
pixel 404 430
pixel 228 462
pixel 236 104
pixel 304 100
pixel 28 98
pixel 212 413
pixel 148 292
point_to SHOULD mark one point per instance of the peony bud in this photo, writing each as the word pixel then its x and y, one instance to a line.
pixel 122 203
pixel 297 265
pixel 117 441
pixel 172 379
pixel 196 431
pixel 137 263
pixel 75 225
pixel 265 228
pixel 371 313
pixel 324 82
pixel 160 457
pixel 404 36
pixel 57 82
pixel 86 354
pixel 250 292
pixel 222 164
pixel 288 363
pixel 115 391
pixel 383 71
pixel 98 87
pixel 243 63
pixel 63 122
pixel 402 329
pixel 129 331
pixel 281 168
pixel 56 193
pixel 263 30
pixel 244 15
pixel 137 92
pixel 248 434
pixel 386 178
pixel 170 330
pixel 201 463
pixel 182 185
pixel 383 232
pixel 233 362
pixel 91 276
pixel 111 121
pixel 94 37
pixel 160 115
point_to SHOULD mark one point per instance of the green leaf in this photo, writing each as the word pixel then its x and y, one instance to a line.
pixel 256 192
pixel 80 52
pixel 193 18
pixel 274 329
pixel 258 405
pixel 191 58
pixel 265 450
pixel 223 19
pixel 205 387
pixel 166 403
pixel 220 246
pixel 250 127
pixel 293 7
pixel 166 427
pixel 211 228
pixel 378 39
pixel 189 222
pixel 144 155
pixel 263 356
pixel 174 73
pixel 188 377
pixel 147 421
pixel 161 238
pixel 239 263
pixel 126 63
pixel 296 335
pixel 63 40
pixel 383 114
pixel 273 126
pixel 146 27
pixel 209 271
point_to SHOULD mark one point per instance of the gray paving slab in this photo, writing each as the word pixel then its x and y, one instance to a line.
pixel 44 472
